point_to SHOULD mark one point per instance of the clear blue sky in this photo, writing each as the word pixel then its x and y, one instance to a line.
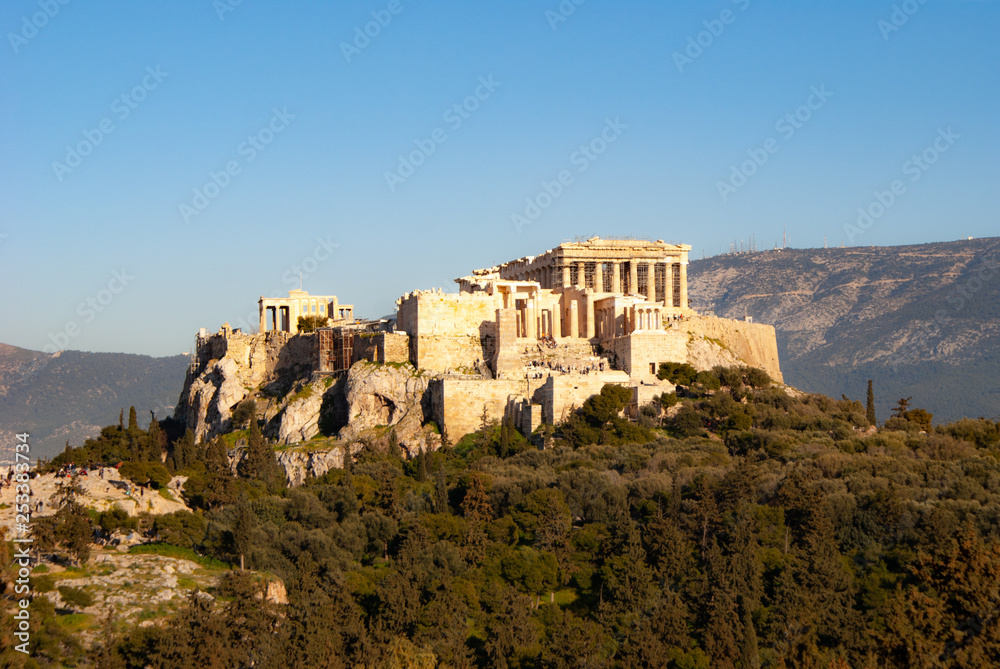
pixel 197 86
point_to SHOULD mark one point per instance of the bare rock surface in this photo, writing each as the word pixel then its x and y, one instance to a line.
pixel 388 396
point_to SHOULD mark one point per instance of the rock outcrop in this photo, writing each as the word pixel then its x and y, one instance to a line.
pixel 704 354
pixel 389 396
pixel 230 365
pixel 300 464
pixel 300 419
pixel 209 398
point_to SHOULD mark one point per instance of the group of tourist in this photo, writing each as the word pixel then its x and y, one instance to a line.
pixel 542 368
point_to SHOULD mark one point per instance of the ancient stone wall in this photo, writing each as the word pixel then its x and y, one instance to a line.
pixel 457 403
pixel 561 394
pixel 381 347
pixel 447 330
pixel 640 353
pixel 395 347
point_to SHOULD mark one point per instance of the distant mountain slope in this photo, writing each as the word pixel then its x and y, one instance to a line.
pixel 71 395
pixel 922 320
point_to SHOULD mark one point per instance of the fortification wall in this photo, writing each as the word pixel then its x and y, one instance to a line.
pixel 561 394
pixel 395 347
pixel 457 403
pixel 381 347
pixel 447 330
pixel 640 353
pixel 753 343
pixel 444 314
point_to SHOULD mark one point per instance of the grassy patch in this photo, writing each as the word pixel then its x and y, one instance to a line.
pixel 717 342
pixel 76 622
pixel 231 438
pixel 165 494
pixel 302 394
pixel 73 572
pixel 168 550
pixel 42 569
pixel 565 597
pixel 187 583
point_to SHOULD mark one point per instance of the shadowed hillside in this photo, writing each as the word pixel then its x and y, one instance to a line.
pixel 922 320
pixel 68 396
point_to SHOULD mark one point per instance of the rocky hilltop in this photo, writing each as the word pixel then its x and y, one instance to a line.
pixel 921 320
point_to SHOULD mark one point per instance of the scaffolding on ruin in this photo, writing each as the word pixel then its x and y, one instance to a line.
pixel 336 349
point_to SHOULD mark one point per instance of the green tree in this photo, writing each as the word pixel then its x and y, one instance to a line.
pixel 312 323
pixel 259 463
pixel 870 404
pixel 901 407
pixel 244 412
pixel 244 522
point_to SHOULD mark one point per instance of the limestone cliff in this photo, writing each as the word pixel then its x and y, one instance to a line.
pixel 389 396
pixel 720 341
pixel 230 366
pixel 302 462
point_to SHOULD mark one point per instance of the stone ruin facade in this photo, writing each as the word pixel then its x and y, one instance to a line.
pixel 538 335
pixel 281 314
pixel 531 338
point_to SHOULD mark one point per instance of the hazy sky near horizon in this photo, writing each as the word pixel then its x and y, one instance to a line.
pixel 164 165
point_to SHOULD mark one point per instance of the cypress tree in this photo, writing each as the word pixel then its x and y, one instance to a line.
pixel 422 464
pixel 243 526
pixel 871 404
pixel 441 491
pixel 154 441
pixel 260 464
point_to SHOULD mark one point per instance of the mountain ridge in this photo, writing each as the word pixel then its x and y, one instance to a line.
pixel 921 320
pixel 70 395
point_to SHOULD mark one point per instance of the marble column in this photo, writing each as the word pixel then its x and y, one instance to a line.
pixel 590 316
pixel 684 285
